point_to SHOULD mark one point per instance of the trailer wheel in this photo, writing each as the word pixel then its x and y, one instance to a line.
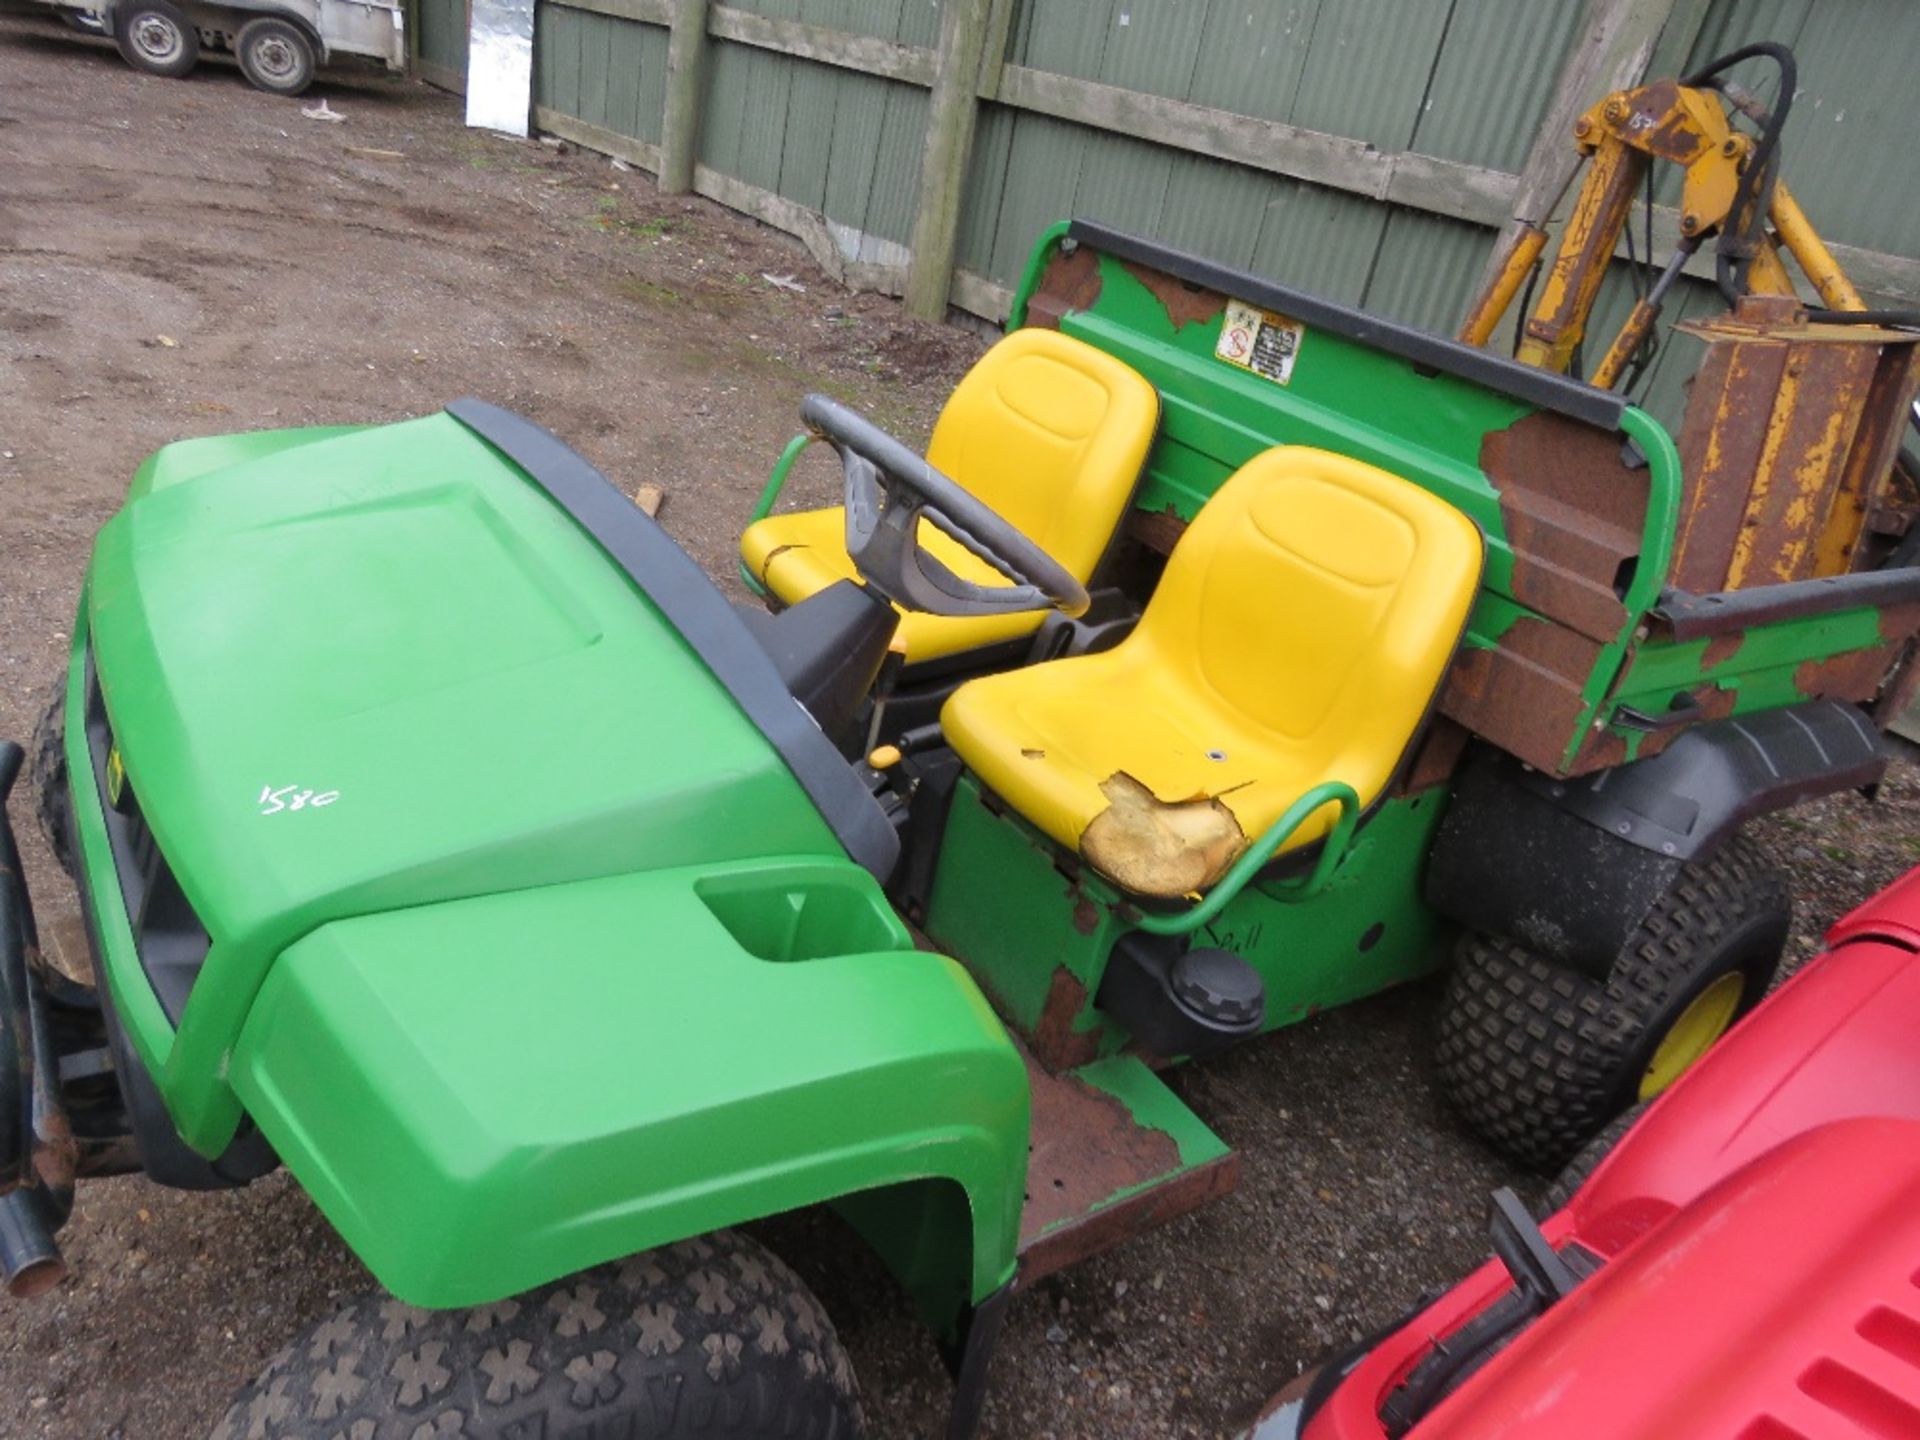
pixel 275 55
pixel 153 35
pixel 47 769
pixel 1538 1058
pixel 712 1337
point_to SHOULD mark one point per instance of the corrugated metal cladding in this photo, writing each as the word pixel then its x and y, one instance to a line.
pixel 845 144
pixel 440 33
pixel 1850 155
pixel 606 71
pixel 1462 79
pixel 1465 80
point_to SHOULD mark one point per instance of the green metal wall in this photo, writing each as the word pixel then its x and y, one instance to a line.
pixel 440 35
pixel 598 68
pixel 842 143
pixel 1462 80
pixel 1401 74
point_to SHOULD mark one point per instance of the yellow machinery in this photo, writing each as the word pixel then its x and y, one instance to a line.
pixel 1794 421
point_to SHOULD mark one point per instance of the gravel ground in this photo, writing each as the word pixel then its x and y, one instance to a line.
pixel 190 257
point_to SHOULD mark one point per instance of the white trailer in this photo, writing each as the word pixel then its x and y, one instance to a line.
pixel 279 43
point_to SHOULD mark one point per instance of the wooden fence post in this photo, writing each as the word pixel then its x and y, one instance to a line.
pixel 680 128
pixel 964 26
pixel 1611 53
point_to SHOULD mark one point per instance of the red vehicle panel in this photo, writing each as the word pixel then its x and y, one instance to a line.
pixel 1758 1235
pixel 1782 1306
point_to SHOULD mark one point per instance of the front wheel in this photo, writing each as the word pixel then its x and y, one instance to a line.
pixel 47 768
pixel 153 35
pixel 275 55
pixel 713 1337
pixel 1538 1058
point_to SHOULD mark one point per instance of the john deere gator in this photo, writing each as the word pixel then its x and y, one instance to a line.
pixel 447 836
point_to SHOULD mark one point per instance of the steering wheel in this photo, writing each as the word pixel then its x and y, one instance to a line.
pixel 889 490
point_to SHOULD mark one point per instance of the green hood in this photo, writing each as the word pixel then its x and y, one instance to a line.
pixel 528 948
pixel 382 669
pixel 355 672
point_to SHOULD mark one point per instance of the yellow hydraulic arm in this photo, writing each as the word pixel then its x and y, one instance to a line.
pixel 1621 137
pixel 1795 415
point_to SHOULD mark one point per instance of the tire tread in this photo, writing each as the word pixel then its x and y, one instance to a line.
pixel 713 1337
pixel 1537 1058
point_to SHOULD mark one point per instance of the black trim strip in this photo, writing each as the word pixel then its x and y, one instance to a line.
pixel 1690 616
pixel 168 939
pixel 679 589
pixel 1542 388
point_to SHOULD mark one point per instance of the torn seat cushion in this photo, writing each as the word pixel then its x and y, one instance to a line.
pixel 1304 621
pixel 1050 432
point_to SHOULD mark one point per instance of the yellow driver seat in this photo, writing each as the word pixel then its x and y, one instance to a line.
pixel 1048 431
pixel 1299 633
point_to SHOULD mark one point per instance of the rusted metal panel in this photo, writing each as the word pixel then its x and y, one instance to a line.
pixel 1097 1176
pixel 1436 756
pixel 1874 502
pixel 1574 513
pixel 1896 510
pixel 1720 443
pixel 1808 436
pixel 1788 439
pixel 1057 1043
pixel 1898 708
pixel 1072 282
pixel 1526 694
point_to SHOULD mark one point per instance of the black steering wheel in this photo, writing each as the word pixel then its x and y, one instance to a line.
pixel 890 489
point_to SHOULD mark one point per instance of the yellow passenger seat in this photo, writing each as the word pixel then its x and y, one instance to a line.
pixel 1304 621
pixel 1046 430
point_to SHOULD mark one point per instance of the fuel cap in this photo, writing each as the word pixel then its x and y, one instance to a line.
pixel 1219 987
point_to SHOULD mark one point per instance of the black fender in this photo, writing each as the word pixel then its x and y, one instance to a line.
pixel 1569 868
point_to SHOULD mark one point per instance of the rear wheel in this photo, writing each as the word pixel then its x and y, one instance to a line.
pixel 1538 1057
pixel 275 55
pixel 712 1337
pixel 153 35
pixel 1580 1169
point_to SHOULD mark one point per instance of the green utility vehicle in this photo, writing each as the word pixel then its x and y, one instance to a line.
pixel 445 835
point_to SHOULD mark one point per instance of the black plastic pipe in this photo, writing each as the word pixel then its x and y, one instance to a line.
pixel 15 1065
pixel 36 1139
pixel 30 1260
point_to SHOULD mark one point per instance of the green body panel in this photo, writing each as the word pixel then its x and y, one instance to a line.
pixel 489 720
pixel 1761 672
pixel 403 621
pixel 1024 925
pixel 185 459
pixel 1131 1081
pixel 486 1093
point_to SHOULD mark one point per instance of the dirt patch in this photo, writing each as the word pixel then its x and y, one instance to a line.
pixel 191 257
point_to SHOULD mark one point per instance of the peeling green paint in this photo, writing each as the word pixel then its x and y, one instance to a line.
pixel 1152 1105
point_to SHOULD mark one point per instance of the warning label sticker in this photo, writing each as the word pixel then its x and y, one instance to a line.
pixel 1260 341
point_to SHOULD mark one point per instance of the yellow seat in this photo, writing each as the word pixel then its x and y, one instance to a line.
pixel 1298 635
pixel 1048 431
